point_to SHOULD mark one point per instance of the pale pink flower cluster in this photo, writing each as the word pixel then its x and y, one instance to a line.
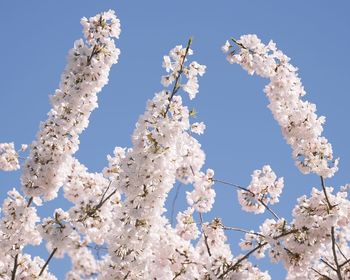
pixel 301 127
pixel 8 157
pixel 306 243
pixel 263 189
pixel 90 215
pixel 58 138
pixel 121 210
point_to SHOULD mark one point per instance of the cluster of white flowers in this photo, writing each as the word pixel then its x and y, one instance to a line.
pixel 28 268
pixel 86 73
pixel 203 196
pixel 18 225
pixel 174 63
pixel 8 157
pixel 92 213
pixel 305 244
pixel 301 127
pixel 264 189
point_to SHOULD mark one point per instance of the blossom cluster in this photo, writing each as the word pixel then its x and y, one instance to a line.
pixel 174 65
pixel 264 189
pixel 300 125
pixel 87 71
pixel 8 157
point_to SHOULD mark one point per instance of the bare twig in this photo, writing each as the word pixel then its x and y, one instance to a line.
pixel 243 230
pixel 30 201
pixel 47 261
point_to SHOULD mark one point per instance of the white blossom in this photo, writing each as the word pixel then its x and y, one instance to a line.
pixel 8 157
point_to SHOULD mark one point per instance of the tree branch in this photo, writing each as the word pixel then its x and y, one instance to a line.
pixel 14 270
pixel 246 256
pixel 47 261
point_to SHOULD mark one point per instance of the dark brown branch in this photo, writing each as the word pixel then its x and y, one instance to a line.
pixel 30 201
pixel 330 206
pixel 335 255
pixel 14 270
pixel 47 261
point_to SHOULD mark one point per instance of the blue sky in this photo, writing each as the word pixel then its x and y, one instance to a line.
pixel 241 134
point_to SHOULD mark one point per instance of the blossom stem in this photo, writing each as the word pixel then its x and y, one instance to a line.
pixel 177 80
pixel 47 261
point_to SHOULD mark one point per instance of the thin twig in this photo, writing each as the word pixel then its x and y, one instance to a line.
pixel 344 263
pixel 234 266
pixel 177 80
pixel 47 261
pixel 323 275
pixel 253 194
pixel 340 251
pixel 233 185
pixel 243 230
pixel 269 209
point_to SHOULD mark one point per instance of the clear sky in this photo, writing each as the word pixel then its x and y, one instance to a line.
pixel 241 134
